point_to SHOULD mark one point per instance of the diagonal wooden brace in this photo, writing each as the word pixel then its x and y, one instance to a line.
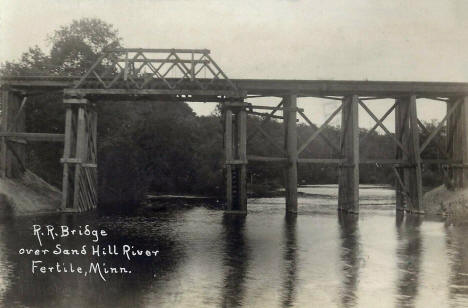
pixel 318 131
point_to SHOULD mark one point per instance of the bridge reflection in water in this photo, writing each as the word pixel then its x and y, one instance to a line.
pixel 211 259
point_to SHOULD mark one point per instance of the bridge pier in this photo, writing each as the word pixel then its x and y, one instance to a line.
pixel 290 127
pixel 457 143
pixel 409 173
pixel 79 184
pixel 402 130
pixel 415 172
pixel 235 152
pixel 348 181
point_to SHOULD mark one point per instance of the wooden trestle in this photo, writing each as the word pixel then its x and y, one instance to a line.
pixel 407 165
pixel 124 80
pixel 79 185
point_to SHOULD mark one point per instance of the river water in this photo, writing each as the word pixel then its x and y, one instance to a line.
pixel 207 259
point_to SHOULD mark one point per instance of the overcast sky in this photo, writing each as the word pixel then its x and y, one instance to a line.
pixel 421 40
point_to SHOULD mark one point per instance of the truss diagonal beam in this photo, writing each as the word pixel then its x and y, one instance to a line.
pixel 439 127
pixel 269 138
pixel 318 131
pixel 266 119
pixel 91 69
pixel 324 137
pixel 378 123
pixel 18 114
pixel 382 126
pixel 440 147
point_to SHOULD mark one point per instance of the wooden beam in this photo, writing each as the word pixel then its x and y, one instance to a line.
pixel 402 135
pixel 266 159
pixel 269 87
pixel 66 194
pixel 158 50
pixel 150 92
pixel 76 101
pixel 80 154
pixel 19 114
pixel 266 119
pixel 378 123
pixel 4 128
pixel 459 134
pixel 269 138
pixel 415 174
pixel 241 120
pixel 228 156
pixel 439 146
pixel 403 189
pixel 381 125
pixel 13 156
pixel 348 189
pixel 325 161
pixel 318 131
pixel 261 114
pixel 325 138
pixel 32 137
pixel 381 161
pixel 291 147
pixel 440 125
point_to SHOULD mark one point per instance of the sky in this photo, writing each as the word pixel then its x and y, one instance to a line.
pixel 412 40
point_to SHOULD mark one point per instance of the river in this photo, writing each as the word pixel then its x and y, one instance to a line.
pixel 207 259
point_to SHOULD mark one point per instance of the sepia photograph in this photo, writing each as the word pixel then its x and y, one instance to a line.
pixel 207 153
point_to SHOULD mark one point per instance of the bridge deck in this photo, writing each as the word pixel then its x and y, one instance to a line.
pixel 264 87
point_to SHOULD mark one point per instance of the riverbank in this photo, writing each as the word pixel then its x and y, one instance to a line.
pixel 28 194
pixel 441 201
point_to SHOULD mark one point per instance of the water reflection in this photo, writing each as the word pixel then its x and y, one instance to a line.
pixel 409 257
pixel 264 260
pixel 288 293
pixel 457 250
pixel 350 257
pixel 236 259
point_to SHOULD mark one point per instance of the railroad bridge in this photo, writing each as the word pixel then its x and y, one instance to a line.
pixel 193 76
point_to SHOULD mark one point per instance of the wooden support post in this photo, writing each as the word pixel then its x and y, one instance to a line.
pixel 94 171
pixel 415 174
pixel 459 144
pixel 241 119
pixel 13 156
pixel 449 145
pixel 81 142
pixel 4 124
pixel 348 189
pixel 402 135
pixel 228 156
pixel 291 149
pixel 79 180
pixel 66 155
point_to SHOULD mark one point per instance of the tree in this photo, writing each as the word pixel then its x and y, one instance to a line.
pixel 74 48
pixel 77 46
